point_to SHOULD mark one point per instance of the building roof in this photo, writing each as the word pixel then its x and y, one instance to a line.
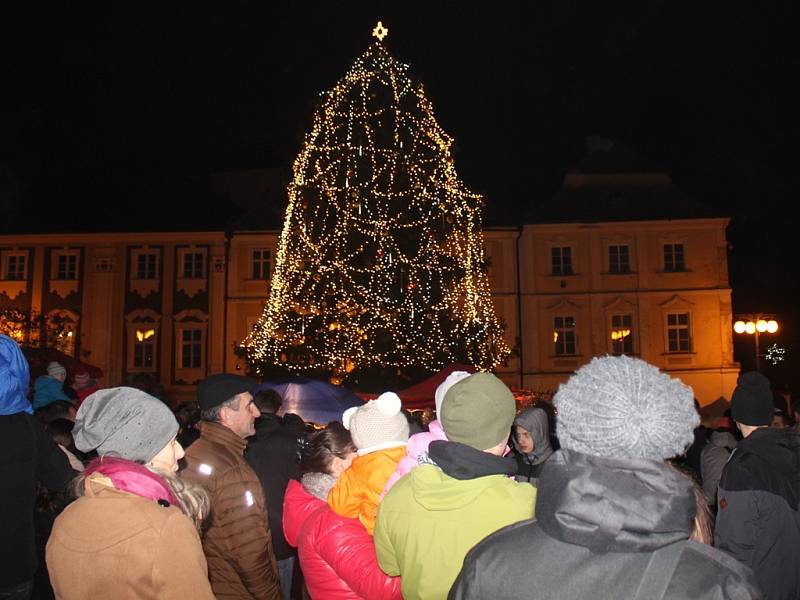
pixel 612 183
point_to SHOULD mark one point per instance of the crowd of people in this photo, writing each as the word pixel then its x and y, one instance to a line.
pixel 612 490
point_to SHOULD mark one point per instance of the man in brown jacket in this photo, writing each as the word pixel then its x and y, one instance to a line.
pixel 237 541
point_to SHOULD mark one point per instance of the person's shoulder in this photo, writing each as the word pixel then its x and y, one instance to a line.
pixel 522 534
pixel 713 567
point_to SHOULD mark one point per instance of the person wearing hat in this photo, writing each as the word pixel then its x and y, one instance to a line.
pixel 133 532
pixel 757 510
pixel 380 432
pixel 84 385
pixel 431 517
pixel 613 519
pixel 49 388
pixel 29 456
pixel 418 444
pixel 237 540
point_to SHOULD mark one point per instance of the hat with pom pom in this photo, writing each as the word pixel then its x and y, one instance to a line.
pixel 378 424
pixel 622 407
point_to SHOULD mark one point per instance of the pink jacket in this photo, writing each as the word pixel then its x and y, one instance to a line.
pixel 336 554
pixel 417 445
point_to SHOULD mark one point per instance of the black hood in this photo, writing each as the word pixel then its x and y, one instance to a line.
pixel 771 462
pixel 460 461
pixel 614 505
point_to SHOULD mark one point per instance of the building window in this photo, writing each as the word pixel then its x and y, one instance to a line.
pixel 193 267
pixel 619 259
pixel 144 348
pixel 674 258
pixel 15 266
pixel 561 260
pixel 66 267
pixel 261 259
pixel 191 348
pixel 621 334
pixel 678 333
pixel 564 335
pixel 146 265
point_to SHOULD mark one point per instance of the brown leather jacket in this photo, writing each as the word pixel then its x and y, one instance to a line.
pixel 237 541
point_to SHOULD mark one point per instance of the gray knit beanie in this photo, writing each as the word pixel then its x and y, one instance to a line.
pixel 124 422
pixel 622 407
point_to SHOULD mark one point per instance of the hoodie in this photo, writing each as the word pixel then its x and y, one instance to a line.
pixel 432 517
pixel 757 517
pixel 529 464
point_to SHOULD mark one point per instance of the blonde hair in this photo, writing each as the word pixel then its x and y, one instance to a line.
pixel 193 499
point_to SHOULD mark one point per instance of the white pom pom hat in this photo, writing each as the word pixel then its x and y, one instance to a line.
pixel 378 424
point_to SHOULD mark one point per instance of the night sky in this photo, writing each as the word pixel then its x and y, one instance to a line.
pixel 108 110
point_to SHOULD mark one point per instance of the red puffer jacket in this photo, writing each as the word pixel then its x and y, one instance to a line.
pixel 336 554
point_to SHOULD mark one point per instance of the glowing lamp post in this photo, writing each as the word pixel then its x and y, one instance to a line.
pixel 755 325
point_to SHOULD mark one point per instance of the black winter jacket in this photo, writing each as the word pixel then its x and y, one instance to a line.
pixel 598 523
pixel 757 516
pixel 272 452
pixel 27 455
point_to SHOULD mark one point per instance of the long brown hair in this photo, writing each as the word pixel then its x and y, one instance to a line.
pixel 318 451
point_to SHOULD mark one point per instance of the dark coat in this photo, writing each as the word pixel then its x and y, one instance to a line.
pixel 598 523
pixel 757 518
pixel 272 452
pixel 27 455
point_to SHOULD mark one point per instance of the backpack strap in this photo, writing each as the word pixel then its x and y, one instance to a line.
pixel 659 571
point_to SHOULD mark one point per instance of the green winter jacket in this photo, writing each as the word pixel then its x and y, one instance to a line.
pixel 429 520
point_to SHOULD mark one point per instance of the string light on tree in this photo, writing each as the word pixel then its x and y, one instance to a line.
pixel 380 260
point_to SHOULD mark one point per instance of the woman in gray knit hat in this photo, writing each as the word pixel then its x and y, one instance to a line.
pixel 133 531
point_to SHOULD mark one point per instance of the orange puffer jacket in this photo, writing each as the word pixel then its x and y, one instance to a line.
pixel 237 541
pixel 358 490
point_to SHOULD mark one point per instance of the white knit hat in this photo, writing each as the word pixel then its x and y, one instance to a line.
pixel 622 407
pixel 438 395
pixel 378 424
pixel 56 368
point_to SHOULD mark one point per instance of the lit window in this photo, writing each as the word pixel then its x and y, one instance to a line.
pixel 561 260
pixel 674 258
pixel 193 265
pixel 564 335
pixel 261 258
pixel 619 259
pixel 144 348
pixel 678 332
pixel 621 334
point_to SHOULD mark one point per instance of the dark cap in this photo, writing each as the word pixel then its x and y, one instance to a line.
pixel 216 389
pixel 751 403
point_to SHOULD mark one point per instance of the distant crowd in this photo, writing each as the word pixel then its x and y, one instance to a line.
pixel 612 490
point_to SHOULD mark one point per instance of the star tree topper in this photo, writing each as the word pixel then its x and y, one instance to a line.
pixel 380 31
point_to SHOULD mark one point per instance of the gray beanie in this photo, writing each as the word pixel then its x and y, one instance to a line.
pixel 124 422
pixel 622 407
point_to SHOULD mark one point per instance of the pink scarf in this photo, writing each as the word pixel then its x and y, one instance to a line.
pixel 131 477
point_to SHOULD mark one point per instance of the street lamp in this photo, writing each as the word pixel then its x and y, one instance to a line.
pixel 756 325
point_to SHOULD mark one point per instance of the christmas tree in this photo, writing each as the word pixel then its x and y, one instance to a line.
pixel 380 264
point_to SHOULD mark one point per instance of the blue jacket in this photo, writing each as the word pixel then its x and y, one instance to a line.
pixel 14 378
pixel 47 390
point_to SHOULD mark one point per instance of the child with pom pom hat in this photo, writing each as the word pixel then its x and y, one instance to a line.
pixel 380 432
